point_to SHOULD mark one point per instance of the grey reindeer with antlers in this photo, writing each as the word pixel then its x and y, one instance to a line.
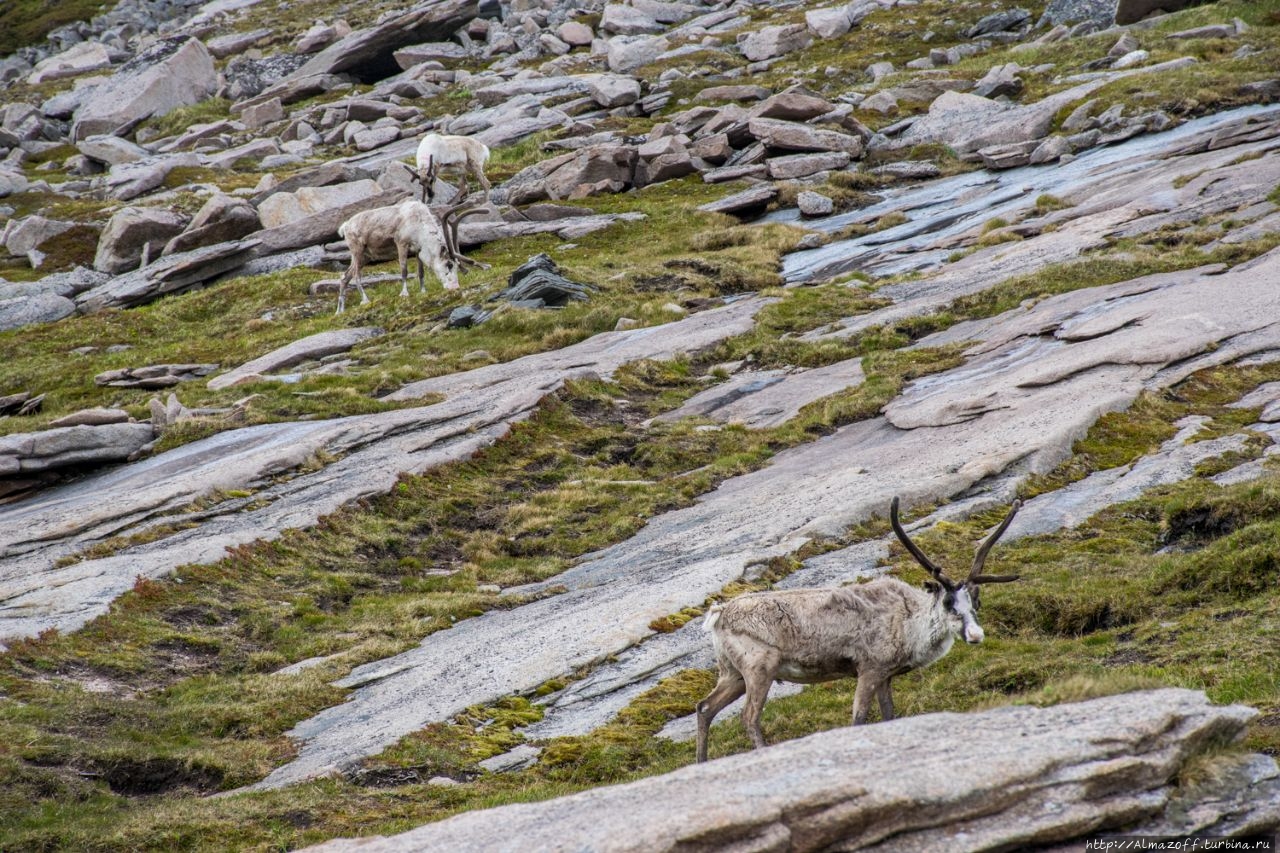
pixel 875 631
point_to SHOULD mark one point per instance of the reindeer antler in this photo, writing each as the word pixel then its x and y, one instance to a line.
pixel 451 219
pixel 980 558
pixel 913 549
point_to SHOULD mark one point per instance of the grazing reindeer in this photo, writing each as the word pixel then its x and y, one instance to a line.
pixel 436 152
pixel 874 631
pixel 409 226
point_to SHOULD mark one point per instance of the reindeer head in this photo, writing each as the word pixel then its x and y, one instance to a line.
pixel 961 600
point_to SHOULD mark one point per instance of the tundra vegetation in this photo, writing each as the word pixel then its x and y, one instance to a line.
pixel 114 736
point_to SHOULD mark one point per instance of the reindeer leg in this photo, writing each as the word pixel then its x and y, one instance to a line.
pixel 758 678
pixel 342 285
pixel 402 253
pixel 885 695
pixel 422 281
pixel 727 690
pixel 484 182
pixel 868 685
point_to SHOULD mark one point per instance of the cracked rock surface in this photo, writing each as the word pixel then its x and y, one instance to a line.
pixel 995 779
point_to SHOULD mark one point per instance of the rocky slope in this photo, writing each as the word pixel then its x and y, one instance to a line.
pixel 1005 251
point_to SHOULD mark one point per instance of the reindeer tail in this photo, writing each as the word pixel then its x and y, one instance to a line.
pixel 713 616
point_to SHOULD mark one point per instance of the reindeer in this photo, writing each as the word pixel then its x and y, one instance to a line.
pixel 409 226
pixel 874 631
pixel 436 152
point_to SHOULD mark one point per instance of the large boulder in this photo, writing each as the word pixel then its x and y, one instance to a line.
pixel 221 218
pixel 628 21
pixel 127 181
pixel 773 41
pixel 369 54
pixel 613 90
pixel 42 307
pixel 793 136
pixel 837 20
pixel 77 59
pixel 31 452
pixel 24 237
pixel 130 231
pixel 283 208
pixel 1104 13
pixel 183 76
pixel 1018 777
pixel 111 150
pixel 603 166
pixel 627 53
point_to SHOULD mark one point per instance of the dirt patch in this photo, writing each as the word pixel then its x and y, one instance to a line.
pixel 394 777
pixel 151 776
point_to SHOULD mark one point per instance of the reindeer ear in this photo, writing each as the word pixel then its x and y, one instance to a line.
pixel 932 588
pixel 981 579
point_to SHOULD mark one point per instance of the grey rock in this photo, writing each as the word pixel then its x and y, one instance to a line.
pixel 613 90
pixel 1000 22
pixel 248 77
pixel 416 54
pixel 881 102
pixel 1132 58
pixel 111 150
pixel 284 208
pixel 795 166
pixel 43 307
pixel 1008 156
pixel 793 105
pixel 263 114
pixel 170 274
pixel 1050 150
pixel 747 201
pixel 130 231
pixel 91 417
pixel 741 92
pixel 220 219
pixel 153 375
pixel 371 51
pixel 1000 80
pixel 733 173
pixel 1046 764
pixel 773 41
pixel 908 170
pixel 234 43
pixel 791 136
pixel 309 348
pixel 627 53
pixel 814 204
pixel 559 177
pixel 78 59
pixel 1099 12
pixel 1212 31
pixel 628 21
pixel 24 237
pixel 130 180
pixel 184 77
pixel 575 34
pixel 51 449
pixel 1132 11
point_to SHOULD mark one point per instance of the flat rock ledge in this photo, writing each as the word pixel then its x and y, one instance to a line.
pixel 1001 779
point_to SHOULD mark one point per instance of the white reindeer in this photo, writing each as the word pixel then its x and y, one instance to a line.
pixel 875 631
pixel 437 151
pixel 409 226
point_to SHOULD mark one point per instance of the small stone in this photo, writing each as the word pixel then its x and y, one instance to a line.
pixel 814 204
pixel 1134 57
